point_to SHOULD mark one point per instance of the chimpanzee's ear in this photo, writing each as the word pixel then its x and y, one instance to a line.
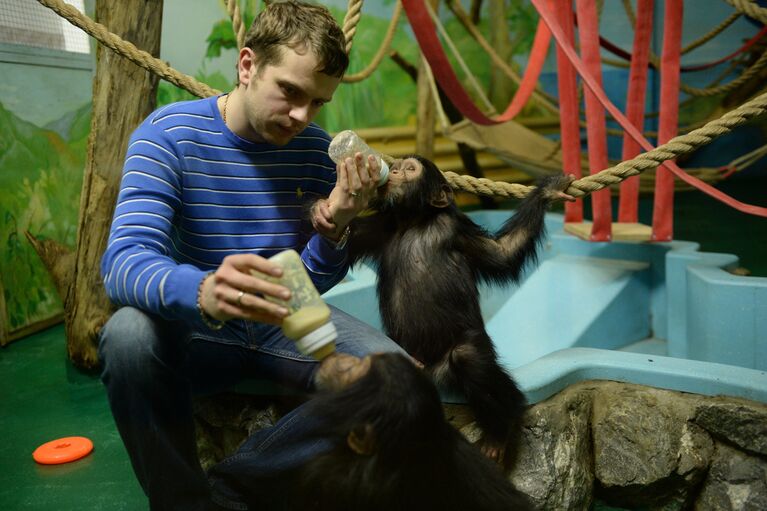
pixel 444 198
pixel 362 440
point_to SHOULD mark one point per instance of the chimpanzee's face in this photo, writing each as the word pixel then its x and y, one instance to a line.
pixel 401 173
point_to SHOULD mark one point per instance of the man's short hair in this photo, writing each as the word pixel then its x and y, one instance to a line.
pixel 298 25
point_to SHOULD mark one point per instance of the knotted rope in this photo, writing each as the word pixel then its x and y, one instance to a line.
pixel 128 50
pixel 352 18
pixel 385 45
pixel 233 9
pixel 750 8
pixel 675 147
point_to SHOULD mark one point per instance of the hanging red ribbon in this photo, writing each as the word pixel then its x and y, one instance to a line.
pixel 596 124
pixel 620 52
pixel 426 35
pixel 557 32
pixel 569 117
pixel 663 204
pixel 628 206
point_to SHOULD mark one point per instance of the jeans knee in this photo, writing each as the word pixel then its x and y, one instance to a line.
pixel 128 343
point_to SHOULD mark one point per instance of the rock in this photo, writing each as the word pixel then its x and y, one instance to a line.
pixel 740 424
pixel 600 442
pixel 554 463
pixel 224 421
pixel 646 452
pixel 736 482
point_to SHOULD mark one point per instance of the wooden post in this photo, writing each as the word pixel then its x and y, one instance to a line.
pixel 123 95
pixel 501 88
pixel 426 113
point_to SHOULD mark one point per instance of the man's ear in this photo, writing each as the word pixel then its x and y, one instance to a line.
pixel 246 65
pixel 362 440
pixel 444 198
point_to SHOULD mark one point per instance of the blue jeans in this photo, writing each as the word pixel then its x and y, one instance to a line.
pixel 153 367
pixel 253 472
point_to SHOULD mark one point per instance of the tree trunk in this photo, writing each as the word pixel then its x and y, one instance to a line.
pixel 123 95
pixel 426 113
pixel 501 87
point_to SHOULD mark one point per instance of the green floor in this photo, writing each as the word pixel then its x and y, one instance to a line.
pixel 43 398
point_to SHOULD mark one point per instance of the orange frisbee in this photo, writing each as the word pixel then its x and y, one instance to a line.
pixel 63 450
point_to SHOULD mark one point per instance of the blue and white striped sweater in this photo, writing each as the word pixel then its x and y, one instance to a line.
pixel 193 192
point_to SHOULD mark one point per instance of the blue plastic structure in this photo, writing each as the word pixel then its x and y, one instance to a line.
pixel 659 314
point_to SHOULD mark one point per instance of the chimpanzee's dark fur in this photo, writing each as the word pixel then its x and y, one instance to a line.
pixel 430 260
pixel 419 461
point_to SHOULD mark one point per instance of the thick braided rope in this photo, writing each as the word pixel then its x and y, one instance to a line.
pixel 677 146
pixel 750 8
pixel 384 48
pixel 353 15
pixel 233 9
pixel 128 50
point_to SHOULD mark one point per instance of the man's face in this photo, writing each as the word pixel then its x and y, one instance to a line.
pixel 281 100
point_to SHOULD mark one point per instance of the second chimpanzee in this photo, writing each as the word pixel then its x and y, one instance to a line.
pixel 381 443
pixel 430 257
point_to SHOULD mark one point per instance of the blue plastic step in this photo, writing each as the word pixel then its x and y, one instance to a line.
pixel 573 301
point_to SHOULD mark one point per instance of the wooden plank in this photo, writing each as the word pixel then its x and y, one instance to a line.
pixel 621 231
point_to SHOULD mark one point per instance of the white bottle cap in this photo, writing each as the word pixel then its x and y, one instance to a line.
pixel 384 175
pixel 315 340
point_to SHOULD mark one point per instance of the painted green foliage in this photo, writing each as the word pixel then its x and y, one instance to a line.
pixel 39 192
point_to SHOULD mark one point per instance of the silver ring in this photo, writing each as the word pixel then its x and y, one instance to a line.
pixel 239 298
pixel 354 194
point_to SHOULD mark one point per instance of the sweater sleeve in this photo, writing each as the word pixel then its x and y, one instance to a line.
pixel 136 267
pixel 326 265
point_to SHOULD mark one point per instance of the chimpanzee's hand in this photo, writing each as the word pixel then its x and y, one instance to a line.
pixel 233 292
pixel 554 187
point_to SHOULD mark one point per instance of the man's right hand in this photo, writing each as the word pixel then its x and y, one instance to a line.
pixel 356 184
pixel 233 292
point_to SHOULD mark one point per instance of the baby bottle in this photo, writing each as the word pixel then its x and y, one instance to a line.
pixel 308 323
pixel 347 143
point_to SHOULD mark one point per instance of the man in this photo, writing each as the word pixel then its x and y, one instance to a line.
pixel 210 189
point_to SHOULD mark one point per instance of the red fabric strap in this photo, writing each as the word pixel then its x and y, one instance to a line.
pixel 596 127
pixel 746 46
pixel 663 205
pixel 569 117
pixel 628 205
pixel 426 35
pixel 556 31
pixel 532 73
pixel 620 52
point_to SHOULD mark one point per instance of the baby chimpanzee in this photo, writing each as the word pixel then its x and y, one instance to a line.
pixel 381 443
pixel 430 257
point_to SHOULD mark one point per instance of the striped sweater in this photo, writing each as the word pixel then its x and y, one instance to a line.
pixel 193 192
